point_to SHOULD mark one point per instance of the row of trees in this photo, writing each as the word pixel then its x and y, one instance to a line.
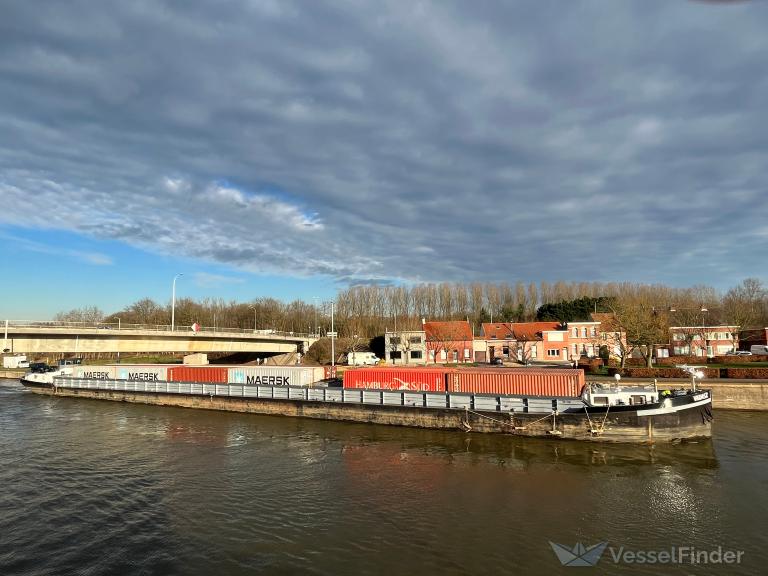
pixel 366 311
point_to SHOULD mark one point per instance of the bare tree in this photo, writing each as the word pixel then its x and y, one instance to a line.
pixel 86 314
pixel 522 347
pixel 742 306
pixel 644 325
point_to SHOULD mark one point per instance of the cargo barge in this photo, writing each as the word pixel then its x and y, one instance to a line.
pixel 522 402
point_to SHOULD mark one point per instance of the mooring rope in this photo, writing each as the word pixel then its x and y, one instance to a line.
pixel 468 411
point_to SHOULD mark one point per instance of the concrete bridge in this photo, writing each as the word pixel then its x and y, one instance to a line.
pixel 80 338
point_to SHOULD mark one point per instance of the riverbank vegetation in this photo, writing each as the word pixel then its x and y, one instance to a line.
pixel 643 311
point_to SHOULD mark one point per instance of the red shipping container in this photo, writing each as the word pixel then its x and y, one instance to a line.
pixel 207 374
pixel 410 379
pixel 518 381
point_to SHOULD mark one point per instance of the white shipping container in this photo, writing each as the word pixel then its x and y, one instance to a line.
pixel 143 372
pixel 275 375
pixel 93 372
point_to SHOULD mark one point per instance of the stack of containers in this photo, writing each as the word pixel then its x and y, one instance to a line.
pixel 410 379
pixel 563 383
pixel 256 375
pixel 560 383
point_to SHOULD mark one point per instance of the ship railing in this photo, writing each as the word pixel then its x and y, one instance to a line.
pixel 412 399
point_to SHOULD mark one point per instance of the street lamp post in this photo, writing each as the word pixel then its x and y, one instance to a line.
pixel 317 329
pixel 333 336
pixel 173 303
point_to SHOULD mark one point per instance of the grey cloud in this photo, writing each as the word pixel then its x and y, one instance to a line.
pixel 579 140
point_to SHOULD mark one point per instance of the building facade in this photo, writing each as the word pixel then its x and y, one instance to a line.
pixel 406 347
pixel 705 341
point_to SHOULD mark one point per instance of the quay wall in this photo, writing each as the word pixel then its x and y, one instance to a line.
pixel 738 395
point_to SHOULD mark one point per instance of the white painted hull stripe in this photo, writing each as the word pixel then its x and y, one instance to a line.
pixel 674 408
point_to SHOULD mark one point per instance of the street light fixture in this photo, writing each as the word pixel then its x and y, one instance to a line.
pixel 173 302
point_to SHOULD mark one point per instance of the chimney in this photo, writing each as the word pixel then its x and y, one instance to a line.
pixel 423 321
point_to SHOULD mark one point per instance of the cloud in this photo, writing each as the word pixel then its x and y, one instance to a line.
pixel 373 141
pixel 88 257
pixel 206 279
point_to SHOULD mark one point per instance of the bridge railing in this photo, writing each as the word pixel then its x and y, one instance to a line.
pixel 65 325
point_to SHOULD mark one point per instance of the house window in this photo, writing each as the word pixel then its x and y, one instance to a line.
pixel 431 355
pixel 575 348
pixel 593 331
pixel 442 355
pixel 505 350
pixel 394 340
pixel 575 332
pixel 415 354
pixel 584 332
pixel 553 352
pixel 415 340
pixel 533 351
pixel 466 353
pixel 396 355
pixel 455 355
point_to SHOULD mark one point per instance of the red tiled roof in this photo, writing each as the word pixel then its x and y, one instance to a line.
pixel 532 330
pixel 497 330
pixel 448 331
pixel 606 319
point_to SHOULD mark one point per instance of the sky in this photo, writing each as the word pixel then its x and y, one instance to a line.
pixel 291 149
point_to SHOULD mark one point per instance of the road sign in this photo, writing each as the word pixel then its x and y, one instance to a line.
pixel 333 334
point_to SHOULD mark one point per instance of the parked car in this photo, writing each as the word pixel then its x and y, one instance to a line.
pixel 741 353
pixel 496 362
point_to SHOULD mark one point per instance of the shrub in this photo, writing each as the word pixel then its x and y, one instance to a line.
pixel 681 360
pixel 666 373
pixel 746 372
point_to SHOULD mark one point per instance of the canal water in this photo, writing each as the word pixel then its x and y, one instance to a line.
pixel 93 487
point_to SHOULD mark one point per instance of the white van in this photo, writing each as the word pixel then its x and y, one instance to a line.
pixel 18 361
pixel 759 349
pixel 362 359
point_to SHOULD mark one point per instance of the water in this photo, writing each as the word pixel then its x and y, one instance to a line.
pixel 91 487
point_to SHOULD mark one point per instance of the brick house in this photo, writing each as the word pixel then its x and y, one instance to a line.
pixel 703 341
pixel 548 341
pixel 524 341
pixel 450 341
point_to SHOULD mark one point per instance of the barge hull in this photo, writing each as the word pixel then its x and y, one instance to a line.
pixel 621 426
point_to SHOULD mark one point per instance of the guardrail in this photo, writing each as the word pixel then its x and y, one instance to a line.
pixel 451 400
pixel 149 328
